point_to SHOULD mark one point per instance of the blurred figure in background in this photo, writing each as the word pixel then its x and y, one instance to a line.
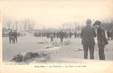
pixel 15 36
pixel 61 36
pixel 75 34
pixel 88 42
pixel 52 37
pixel 11 36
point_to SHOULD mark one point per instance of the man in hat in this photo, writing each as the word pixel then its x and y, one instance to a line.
pixel 87 36
pixel 101 39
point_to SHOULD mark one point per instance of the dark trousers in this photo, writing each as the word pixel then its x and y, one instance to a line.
pixel 16 40
pixel 101 52
pixel 61 39
pixel 10 40
pixel 91 51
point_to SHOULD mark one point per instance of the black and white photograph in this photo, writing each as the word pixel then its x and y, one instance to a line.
pixel 57 31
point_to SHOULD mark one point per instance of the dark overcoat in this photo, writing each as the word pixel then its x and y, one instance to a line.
pixel 87 35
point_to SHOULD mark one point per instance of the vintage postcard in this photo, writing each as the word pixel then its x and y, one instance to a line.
pixel 46 36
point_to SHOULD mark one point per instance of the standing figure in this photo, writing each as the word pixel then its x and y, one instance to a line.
pixel 88 42
pixel 75 34
pixel 11 37
pixel 61 36
pixel 52 37
pixel 15 36
pixel 108 34
pixel 101 39
pixel 70 34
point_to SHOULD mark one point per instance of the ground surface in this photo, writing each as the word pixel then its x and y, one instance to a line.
pixel 69 50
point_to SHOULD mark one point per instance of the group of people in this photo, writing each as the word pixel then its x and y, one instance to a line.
pixel 13 37
pixel 59 34
pixel 88 33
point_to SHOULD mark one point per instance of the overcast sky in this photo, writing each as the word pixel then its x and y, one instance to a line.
pixel 53 13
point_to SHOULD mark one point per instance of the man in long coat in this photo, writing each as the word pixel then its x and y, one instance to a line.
pixel 87 36
pixel 101 39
